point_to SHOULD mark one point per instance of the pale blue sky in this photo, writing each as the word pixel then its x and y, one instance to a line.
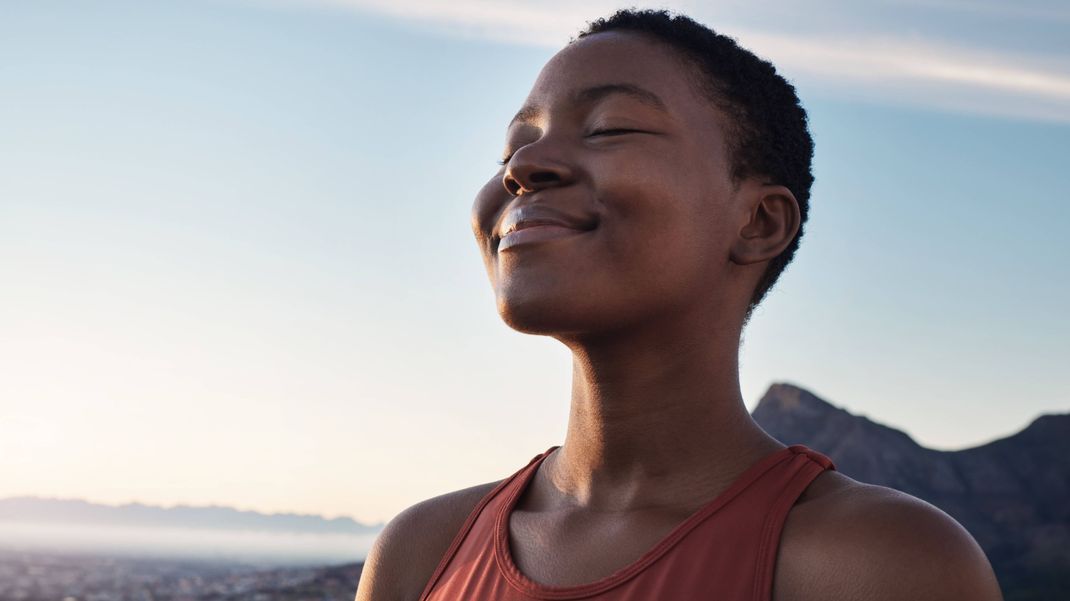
pixel 237 265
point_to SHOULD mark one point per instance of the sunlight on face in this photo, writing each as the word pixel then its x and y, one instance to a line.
pixel 614 141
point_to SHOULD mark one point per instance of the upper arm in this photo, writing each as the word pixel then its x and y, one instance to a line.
pixel 879 544
pixel 410 547
pixel 382 577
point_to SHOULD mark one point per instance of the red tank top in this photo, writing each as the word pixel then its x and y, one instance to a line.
pixel 725 551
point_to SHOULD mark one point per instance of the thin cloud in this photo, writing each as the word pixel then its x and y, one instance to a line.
pixel 896 70
pixel 917 72
pixel 548 24
pixel 1057 10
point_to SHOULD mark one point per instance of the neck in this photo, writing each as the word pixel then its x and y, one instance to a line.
pixel 654 418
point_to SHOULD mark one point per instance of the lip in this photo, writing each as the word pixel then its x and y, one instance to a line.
pixel 534 213
pixel 537 233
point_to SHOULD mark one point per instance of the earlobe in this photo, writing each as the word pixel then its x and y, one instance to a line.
pixel 769 224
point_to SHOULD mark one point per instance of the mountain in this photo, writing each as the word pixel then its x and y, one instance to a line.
pixel 54 511
pixel 1011 494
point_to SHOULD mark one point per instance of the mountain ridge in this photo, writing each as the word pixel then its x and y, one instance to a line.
pixel 779 397
pixel 218 517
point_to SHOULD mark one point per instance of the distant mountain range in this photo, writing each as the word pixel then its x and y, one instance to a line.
pixel 74 511
pixel 1011 494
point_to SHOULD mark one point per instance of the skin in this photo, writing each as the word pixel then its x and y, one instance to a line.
pixel 651 305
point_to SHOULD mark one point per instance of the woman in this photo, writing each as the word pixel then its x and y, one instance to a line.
pixel 654 187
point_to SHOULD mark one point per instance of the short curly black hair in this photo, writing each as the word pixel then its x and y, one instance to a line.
pixel 768 136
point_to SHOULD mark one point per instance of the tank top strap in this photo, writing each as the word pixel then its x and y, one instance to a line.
pixel 806 466
pixel 471 519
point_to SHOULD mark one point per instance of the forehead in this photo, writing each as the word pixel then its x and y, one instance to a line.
pixel 613 63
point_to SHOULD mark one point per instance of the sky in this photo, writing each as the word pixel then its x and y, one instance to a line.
pixel 236 265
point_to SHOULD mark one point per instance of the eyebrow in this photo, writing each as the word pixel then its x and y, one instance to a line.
pixel 596 93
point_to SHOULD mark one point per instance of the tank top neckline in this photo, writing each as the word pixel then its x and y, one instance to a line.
pixel 504 558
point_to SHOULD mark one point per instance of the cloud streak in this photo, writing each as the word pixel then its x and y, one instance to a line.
pixel 920 73
pixel 904 70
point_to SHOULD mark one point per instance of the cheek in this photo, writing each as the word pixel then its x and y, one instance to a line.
pixel 656 234
pixel 669 216
pixel 660 200
pixel 486 208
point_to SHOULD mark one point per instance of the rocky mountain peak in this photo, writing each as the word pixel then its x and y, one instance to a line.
pixel 784 398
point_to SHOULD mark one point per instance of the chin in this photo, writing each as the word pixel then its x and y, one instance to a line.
pixel 543 314
pixel 564 313
pixel 536 316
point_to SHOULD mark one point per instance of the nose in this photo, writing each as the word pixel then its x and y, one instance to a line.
pixel 532 168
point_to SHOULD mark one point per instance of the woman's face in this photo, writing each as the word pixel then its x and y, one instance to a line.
pixel 615 142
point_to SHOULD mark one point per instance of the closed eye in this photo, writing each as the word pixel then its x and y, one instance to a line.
pixel 605 132
pixel 599 132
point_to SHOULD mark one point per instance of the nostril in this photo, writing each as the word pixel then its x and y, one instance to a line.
pixel 512 186
pixel 531 183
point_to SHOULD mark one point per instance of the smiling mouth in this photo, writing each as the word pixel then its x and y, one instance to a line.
pixel 538 233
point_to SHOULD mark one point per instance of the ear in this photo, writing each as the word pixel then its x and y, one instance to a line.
pixel 769 219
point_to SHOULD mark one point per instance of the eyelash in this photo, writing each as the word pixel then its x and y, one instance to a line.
pixel 505 160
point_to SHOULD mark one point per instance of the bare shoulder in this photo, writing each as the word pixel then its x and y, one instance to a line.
pixel 848 540
pixel 410 546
